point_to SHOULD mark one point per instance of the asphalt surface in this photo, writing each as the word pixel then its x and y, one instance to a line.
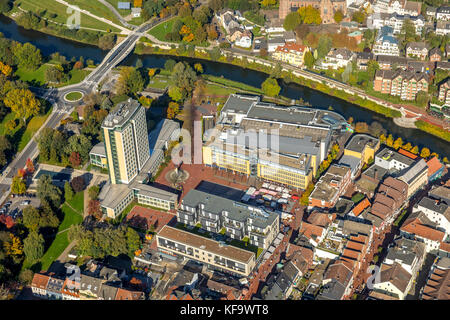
pixel 61 107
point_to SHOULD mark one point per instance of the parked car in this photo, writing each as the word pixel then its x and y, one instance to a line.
pixel 25 202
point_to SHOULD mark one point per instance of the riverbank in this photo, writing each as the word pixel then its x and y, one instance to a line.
pixel 146 48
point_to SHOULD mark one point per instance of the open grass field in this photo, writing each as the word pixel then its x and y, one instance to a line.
pixel 159 31
pixel 49 8
pixel 54 251
pixel 77 202
pixel 97 8
pixel 37 77
pixel 70 217
pixel 21 136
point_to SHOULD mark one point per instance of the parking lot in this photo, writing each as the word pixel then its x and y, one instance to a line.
pixel 14 205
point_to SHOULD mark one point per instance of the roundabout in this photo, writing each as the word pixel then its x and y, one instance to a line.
pixel 73 96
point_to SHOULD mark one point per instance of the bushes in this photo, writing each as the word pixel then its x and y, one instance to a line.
pixel 432 129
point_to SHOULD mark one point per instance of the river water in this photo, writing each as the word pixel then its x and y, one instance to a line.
pixel 50 44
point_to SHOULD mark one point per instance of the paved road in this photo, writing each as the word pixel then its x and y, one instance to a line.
pixel 61 107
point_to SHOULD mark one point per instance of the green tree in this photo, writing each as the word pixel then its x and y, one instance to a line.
pixel 18 186
pixel 107 41
pixel 68 191
pixel 359 16
pixel 309 59
pixel 324 46
pixel 425 153
pixel 372 67
pixel 46 191
pixel 291 21
pixel 270 87
pixel 31 218
pixel 338 16
pixel 5 6
pixel 133 241
pixel 169 64
pixel 27 56
pixel 33 246
pixel 23 103
pixel 175 93
pixel 310 15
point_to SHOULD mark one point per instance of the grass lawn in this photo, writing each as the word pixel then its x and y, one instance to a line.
pixel 54 251
pixel 37 77
pixel 96 8
pixel 22 137
pixel 48 8
pixel 122 12
pixel 77 202
pixel 74 96
pixel 70 217
pixel 159 32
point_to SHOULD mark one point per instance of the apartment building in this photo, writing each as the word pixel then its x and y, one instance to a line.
pixel 405 84
pixel 394 281
pixel 395 20
pixel 358 151
pixel 415 177
pixel 327 8
pixel 408 253
pixel 435 55
pixel 392 62
pixel 291 53
pixel 125 135
pixel 330 187
pixel 392 160
pixel 417 50
pixel 338 58
pixel 438 212
pixel 438 281
pixel 418 227
pixel 443 13
pixel 442 28
pixel 236 220
pixel 217 255
pixel 281 144
pixel 385 43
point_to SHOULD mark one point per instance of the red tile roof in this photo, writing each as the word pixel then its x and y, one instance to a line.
pixel 40 281
pixel 124 294
pixel 415 227
pixel 361 206
pixel 433 166
pixel 291 47
pixel 310 230
pixel 445 246
pixel 407 153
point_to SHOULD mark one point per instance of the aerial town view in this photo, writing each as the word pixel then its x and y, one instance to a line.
pixel 206 150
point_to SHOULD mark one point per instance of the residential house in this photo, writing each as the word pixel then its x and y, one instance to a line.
pixel 430 13
pixel 444 92
pixel 125 294
pixel 394 281
pixel 435 54
pixel 443 65
pixel 314 234
pixel 54 288
pixel 438 212
pixel 279 286
pixel 70 290
pixel 386 43
pixel 442 28
pixel 418 227
pixel 89 287
pixel 244 40
pixel 417 49
pixel 330 187
pixel 411 8
pixel 415 177
pixel 392 160
pixel 392 62
pixel 362 59
pixel 438 282
pixel 443 13
pixel 410 254
pixel 291 53
pixel 274 43
pixel 228 20
pixel 39 285
pixel 338 58
pixel 435 169
pixel 107 292
pixel 405 84
pixel 337 282
pixel 395 20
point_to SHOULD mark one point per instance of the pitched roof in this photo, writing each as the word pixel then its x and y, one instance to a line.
pixel 434 165
pixel 311 231
pixel 125 294
pixel 40 281
pixel 289 46
pixel 361 206
pixel 397 276
pixel 418 225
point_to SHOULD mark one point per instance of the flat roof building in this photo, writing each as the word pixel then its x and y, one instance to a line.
pixel 210 252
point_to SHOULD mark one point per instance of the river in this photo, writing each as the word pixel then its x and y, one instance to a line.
pixel 50 44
